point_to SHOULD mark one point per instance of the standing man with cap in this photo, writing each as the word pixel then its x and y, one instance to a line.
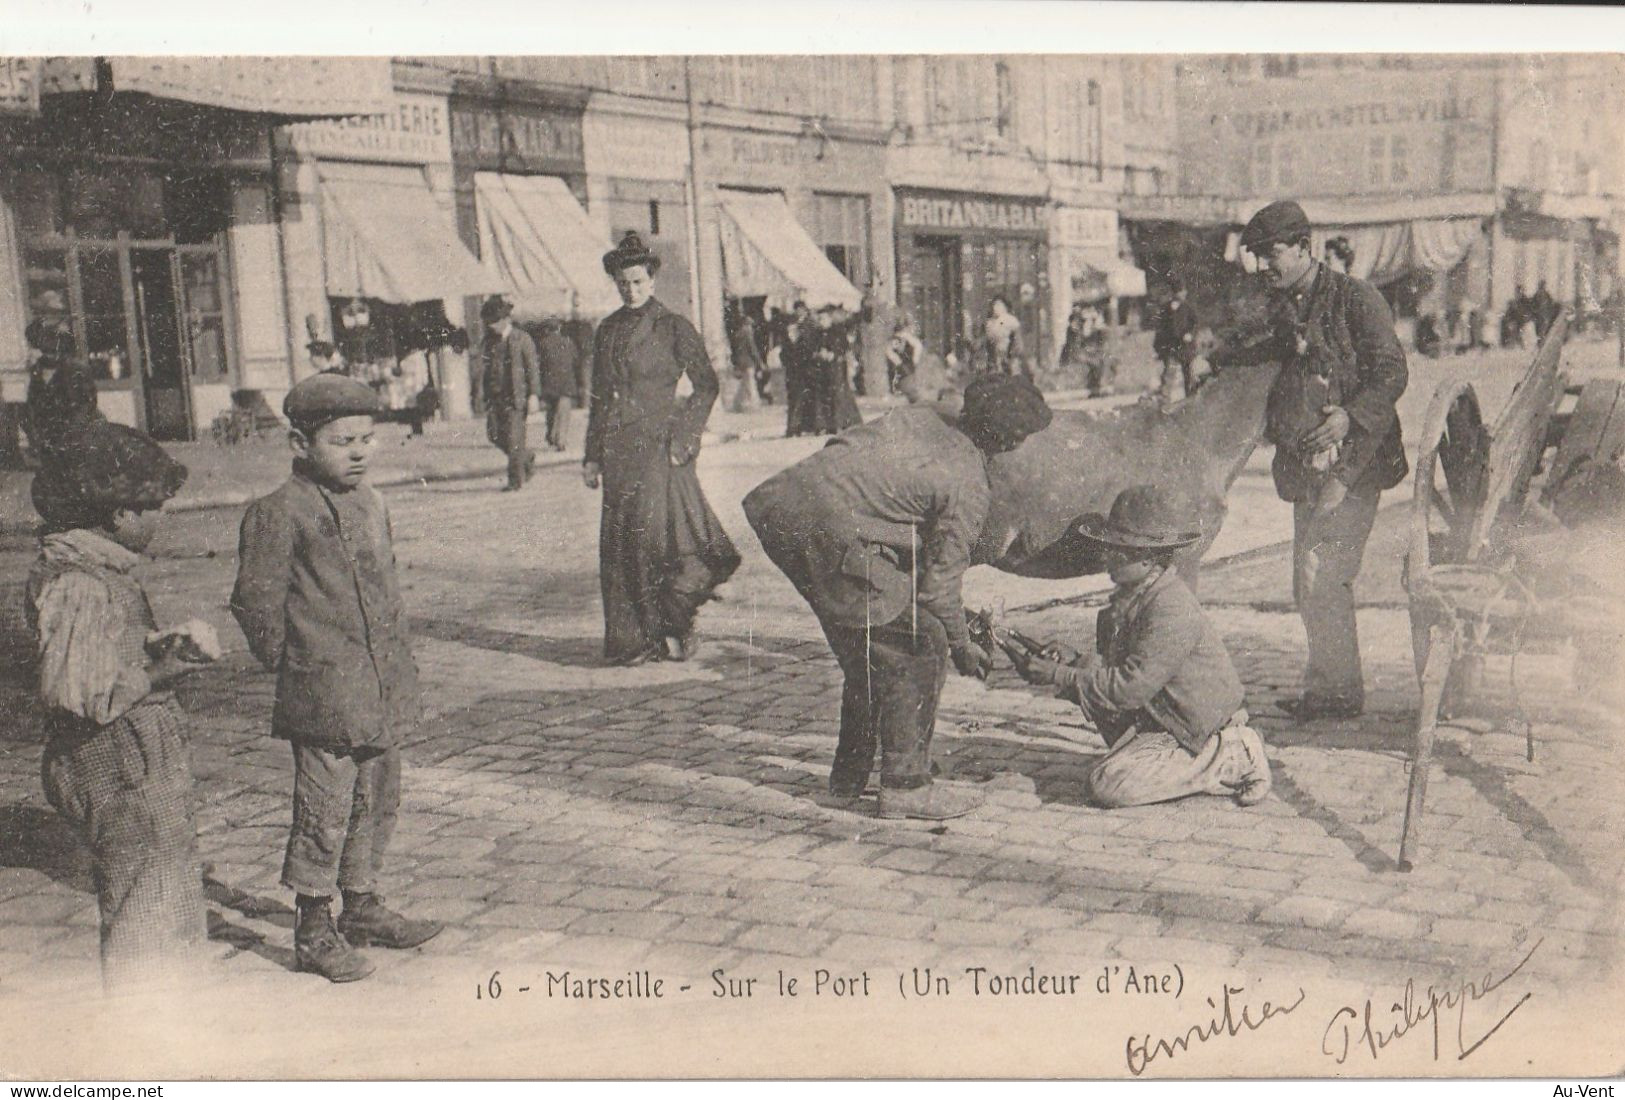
pixel 512 376
pixel 1336 431
pixel 875 531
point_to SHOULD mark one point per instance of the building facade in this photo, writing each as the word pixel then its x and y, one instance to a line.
pixel 1459 181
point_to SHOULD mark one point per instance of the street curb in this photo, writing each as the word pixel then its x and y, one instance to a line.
pixel 241 498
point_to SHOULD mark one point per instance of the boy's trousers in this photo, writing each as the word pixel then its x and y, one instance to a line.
pixel 344 810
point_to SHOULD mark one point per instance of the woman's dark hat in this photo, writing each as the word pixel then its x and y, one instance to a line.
pixel 494 309
pixel 49 338
pixel 1279 221
pixel 631 252
pixel 320 347
pixel 105 466
pixel 1144 517
pixel 1001 410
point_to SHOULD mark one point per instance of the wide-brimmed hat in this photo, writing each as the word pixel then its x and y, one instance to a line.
pixel 1279 221
pixel 631 252
pixel 1001 410
pixel 494 309
pixel 1145 517
pixel 104 467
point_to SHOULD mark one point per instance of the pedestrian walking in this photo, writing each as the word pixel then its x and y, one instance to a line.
pixel 559 370
pixel 116 755
pixel 1159 684
pixel 61 395
pixel 875 530
pixel 1174 340
pixel 745 357
pixel 834 406
pixel 798 356
pixel 1002 345
pixel 318 600
pixel 512 377
pixel 662 552
pixel 1332 418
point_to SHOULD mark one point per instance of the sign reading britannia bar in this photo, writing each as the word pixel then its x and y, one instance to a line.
pixel 937 210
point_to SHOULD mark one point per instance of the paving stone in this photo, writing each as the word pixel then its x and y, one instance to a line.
pixel 975 933
pixel 786 939
pixel 1385 924
pixel 612 898
pixel 1306 912
pixel 646 925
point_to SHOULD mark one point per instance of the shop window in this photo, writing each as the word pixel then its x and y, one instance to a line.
pixel 1398 150
pixel 841 228
pixel 45 272
pixel 1377 162
pixel 104 203
pixel 195 207
pixel 101 287
pixel 205 315
pixel 39 204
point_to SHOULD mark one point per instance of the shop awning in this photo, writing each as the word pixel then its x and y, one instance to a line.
pixel 537 237
pixel 1364 211
pixel 766 253
pixel 1115 276
pixel 1388 251
pixel 384 236
pixel 295 87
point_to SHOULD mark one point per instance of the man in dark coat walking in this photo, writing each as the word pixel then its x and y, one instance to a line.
pixel 1332 418
pixel 1175 341
pixel 61 393
pixel 512 375
pixel 875 530
pixel 560 369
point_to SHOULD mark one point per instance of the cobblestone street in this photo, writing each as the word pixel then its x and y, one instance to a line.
pixel 562 815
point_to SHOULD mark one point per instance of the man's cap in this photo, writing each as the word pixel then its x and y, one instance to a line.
pixel 1279 221
pixel 1145 517
pixel 1001 410
pixel 495 308
pixel 326 397
pixel 104 466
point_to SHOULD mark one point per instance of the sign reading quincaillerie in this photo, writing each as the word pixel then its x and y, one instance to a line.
pixel 934 210
pixel 415 131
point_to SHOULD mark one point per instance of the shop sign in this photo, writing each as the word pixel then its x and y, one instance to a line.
pixel 19 86
pixel 414 131
pixel 1084 228
pixel 636 149
pixel 516 136
pixel 757 151
pixel 969 212
pixel 1405 112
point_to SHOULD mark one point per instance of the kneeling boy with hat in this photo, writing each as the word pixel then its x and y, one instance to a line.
pixel 1159 687
pixel 318 600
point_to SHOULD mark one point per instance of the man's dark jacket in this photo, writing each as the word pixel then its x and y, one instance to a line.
pixel 1350 357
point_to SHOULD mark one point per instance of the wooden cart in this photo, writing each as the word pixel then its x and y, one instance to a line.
pixel 1464 602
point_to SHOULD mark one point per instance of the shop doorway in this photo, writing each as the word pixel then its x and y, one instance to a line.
pixel 936 298
pixel 161 357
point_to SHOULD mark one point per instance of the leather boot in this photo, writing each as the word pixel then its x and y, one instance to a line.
pixel 366 922
pixel 318 948
pixel 932 802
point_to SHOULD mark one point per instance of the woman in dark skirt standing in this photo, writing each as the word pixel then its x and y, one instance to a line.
pixel 661 550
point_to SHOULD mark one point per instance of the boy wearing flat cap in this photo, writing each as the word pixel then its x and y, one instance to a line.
pixel 875 531
pixel 1159 687
pixel 116 754
pixel 318 600
pixel 1332 416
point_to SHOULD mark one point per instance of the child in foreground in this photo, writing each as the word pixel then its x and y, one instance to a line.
pixel 318 600
pixel 1159 687
pixel 116 761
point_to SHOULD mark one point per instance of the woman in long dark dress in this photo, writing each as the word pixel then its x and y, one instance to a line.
pixel 661 550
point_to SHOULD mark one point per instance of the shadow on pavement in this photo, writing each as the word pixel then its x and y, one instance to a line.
pixel 36 839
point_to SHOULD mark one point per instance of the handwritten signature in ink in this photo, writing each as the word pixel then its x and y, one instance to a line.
pixel 1141 1051
pixel 1352 1028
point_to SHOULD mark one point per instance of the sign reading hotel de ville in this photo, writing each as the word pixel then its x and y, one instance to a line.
pixel 416 130
pixel 947 211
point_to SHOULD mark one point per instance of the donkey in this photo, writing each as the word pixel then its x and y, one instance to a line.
pixel 1084 459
